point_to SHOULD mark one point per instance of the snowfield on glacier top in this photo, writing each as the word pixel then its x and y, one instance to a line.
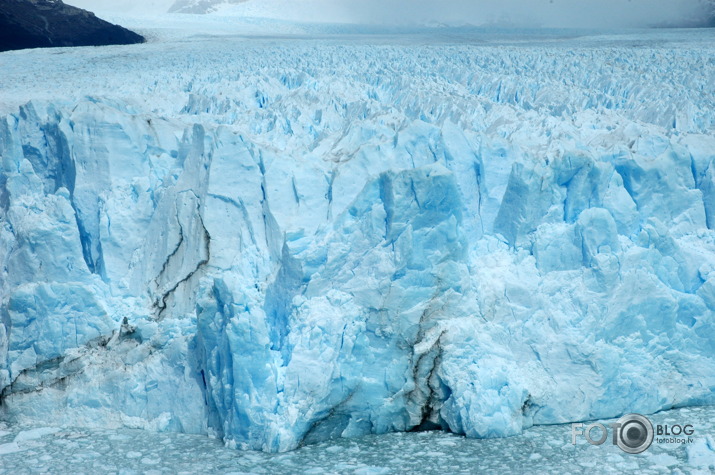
pixel 280 236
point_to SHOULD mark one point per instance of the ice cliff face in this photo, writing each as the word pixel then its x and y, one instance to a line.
pixel 348 240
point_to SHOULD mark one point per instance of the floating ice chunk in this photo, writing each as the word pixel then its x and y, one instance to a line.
pixel 11 448
pixel 701 453
pixel 37 433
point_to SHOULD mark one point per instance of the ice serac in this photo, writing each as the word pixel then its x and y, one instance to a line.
pixel 283 258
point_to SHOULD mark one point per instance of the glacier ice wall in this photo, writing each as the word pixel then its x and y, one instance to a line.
pixel 313 241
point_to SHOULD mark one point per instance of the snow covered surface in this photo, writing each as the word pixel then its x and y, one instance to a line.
pixel 539 450
pixel 283 233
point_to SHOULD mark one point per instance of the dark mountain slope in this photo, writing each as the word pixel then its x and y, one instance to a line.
pixel 47 23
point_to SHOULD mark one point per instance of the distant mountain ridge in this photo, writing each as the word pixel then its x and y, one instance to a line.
pixel 51 23
pixel 199 6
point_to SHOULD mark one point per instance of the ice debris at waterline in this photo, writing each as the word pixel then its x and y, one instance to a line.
pixel 543 449
pixel 279 242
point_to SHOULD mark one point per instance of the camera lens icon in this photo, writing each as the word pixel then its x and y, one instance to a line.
pixel 635 433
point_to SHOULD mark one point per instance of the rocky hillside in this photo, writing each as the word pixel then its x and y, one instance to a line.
pixel 48 23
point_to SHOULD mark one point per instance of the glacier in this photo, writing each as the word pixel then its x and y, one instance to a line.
pixel 278 241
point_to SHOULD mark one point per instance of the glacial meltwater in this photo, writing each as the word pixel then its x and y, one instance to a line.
pixel 541 449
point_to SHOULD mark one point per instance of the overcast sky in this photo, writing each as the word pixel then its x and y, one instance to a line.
pixel 553 13
pixel 548 13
